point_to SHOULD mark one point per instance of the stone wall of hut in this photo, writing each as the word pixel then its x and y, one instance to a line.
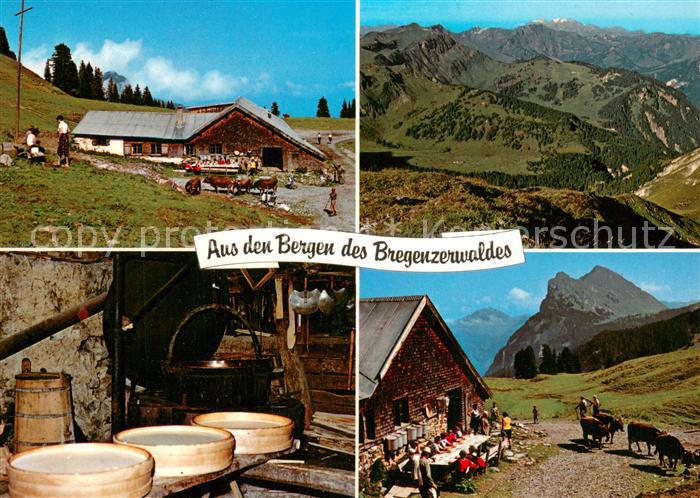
pixel 36 287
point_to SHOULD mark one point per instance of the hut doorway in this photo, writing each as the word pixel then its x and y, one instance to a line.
pixel 273 157
pixel 454 408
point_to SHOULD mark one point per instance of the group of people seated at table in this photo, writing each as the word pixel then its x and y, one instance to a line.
pixel 468 462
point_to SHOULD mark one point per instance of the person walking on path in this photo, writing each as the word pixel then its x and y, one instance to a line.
pixel 507 429
pixel 63 150
pixel 330 137
pixel 494 417
pixel 582 408
pixel 319 138
pixel 426 485
pixel 331 205
pixel 535 415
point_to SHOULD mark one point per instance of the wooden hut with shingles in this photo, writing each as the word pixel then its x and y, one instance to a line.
pixel 241 126
pixel 412 369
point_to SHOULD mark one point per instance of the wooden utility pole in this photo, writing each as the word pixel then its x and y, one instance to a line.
pixel 19 67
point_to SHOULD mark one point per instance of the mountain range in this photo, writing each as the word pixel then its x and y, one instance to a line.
pixel 482 333
pixel 576 310
pixel 509 112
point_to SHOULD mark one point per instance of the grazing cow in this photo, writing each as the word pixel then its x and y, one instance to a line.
pixel 639 431
pixel 596 429
pixel 614 424
pixel 243 185
pixel 669 446
pixel 193 186
pixel 266 183
pixel 220 182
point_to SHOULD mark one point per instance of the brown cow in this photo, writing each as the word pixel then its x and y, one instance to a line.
pixel 194 186
pixel 266 183
pixel 220 182
pixel 596 429
pixel 669 446
pixel 243 185
pixel 614 424
pixel 639 431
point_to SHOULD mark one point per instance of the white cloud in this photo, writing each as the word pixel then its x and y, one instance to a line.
pixel 165 78
pixel 655 288
pixel 35 59
pixel 113 56
pixel 520 296
pixel 296 88
pixel 347 84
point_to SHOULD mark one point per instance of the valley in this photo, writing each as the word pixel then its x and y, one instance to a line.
pixel 431 102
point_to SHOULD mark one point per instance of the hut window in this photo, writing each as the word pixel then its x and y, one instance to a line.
pixel 156 149
pixel 101 141
pixel 137 148
pixel 370 427
pixel 215 149
pixel 400 410
pixel 190 150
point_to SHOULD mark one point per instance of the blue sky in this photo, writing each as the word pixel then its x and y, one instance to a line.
pixel 666 16
pixel 668 276
pixel 200 51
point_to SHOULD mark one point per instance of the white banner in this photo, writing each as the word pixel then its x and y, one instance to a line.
pixel 463 251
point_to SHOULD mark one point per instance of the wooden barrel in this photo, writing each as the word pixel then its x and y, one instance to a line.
pixel 255 433
pixel 98 470
pixel 43 410
pixel 182 450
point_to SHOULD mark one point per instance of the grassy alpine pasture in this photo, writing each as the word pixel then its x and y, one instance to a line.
pixel 677 187
pixel 321 123
pixel 84 196
pixel 42 102
pixel 662 389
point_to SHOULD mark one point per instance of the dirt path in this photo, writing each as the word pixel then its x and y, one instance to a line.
pixel 312 200
pixel 577 472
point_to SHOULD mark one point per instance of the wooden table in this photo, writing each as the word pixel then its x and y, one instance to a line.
pixel 444 459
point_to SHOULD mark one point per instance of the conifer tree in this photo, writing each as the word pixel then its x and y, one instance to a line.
pixel 47 71
pixel 98 91
pixel 322 108
pixel 64 71
pixel 147 97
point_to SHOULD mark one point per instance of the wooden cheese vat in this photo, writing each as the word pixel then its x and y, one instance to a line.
pixel 255 433
pixel 95 470
pixel 182 450
pixel 43 410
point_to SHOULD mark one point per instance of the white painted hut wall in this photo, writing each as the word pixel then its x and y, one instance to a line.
pixel 115 146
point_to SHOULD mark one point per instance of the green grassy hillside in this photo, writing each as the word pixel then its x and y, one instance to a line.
pixel 83 196
pixel 677 187
pixel 321 123
pixel 662 389
pixel 42 102
pixel 410 197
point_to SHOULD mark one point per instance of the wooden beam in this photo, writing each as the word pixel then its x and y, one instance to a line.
pixel 294 375
pixel 328 480
pixel 326 401
pixel 330 381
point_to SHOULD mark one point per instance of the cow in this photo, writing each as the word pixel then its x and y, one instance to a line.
pixel 614 424
pixel 193 186
pixel 597 429
pixel 669 446
pixel 266 183
pixel 639 431
pixel 218 182
pixel 242 185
